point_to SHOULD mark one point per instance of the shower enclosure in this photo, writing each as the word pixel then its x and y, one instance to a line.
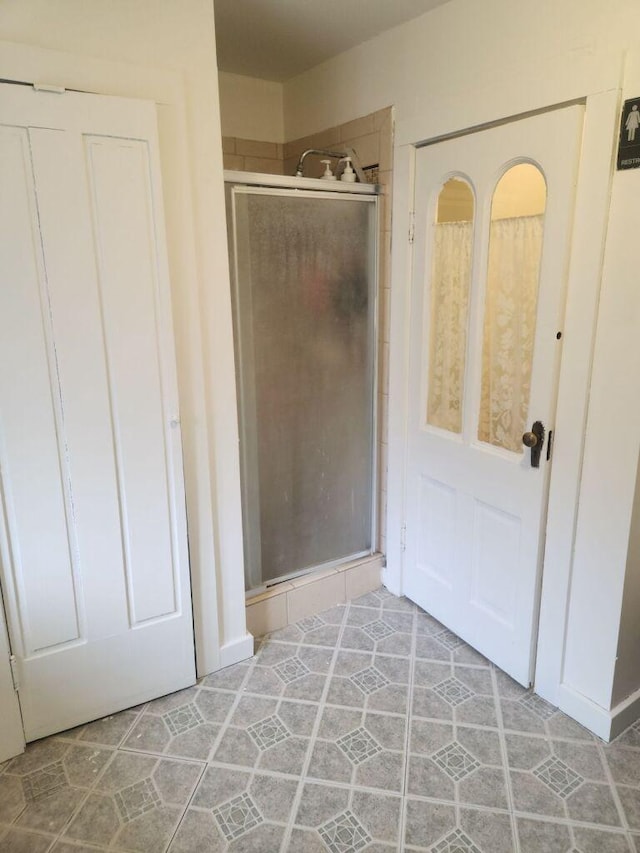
pixel 303 267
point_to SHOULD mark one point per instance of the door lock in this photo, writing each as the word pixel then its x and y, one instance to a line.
pixel 534 440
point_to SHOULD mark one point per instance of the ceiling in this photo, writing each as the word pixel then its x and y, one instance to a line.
pixel 277 39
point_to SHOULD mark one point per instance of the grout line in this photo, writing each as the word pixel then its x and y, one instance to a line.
pixel 565 805
pixel 407 735
pixel 314 733
pixel 186 807
pixel 505 761
pixel 91 788
pixel 167 757
pixel 239 694
pixel 251 771
pixel 362 724
pixel 578 824
pixel 454 733
pixel 612 785
pixel 206 762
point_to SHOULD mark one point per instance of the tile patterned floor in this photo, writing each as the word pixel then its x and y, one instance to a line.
pixel 367 728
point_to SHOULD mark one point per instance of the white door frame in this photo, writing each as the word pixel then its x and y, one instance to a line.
pixel 11 731
pixel 586 256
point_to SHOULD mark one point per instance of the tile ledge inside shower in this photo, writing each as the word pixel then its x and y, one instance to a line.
pixel 290 601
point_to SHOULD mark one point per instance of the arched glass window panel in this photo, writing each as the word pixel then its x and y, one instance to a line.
pixel 450 281
pixel 515 250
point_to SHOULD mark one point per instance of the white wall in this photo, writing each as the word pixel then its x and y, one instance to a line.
pixel 251 108
pixel 465 64
pixel 164 50
pixel 628 657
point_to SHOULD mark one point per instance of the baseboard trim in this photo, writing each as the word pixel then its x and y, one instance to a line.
pixel 236 651
pixel 625 713
pixel 585 712
pixel 605 724
pixel 391 581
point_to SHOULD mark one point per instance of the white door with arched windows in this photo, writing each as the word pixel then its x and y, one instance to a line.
pixel 493 223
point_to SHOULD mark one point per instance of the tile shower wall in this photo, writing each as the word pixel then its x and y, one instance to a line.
pixel 286 603
pixel 371 137
pixel 248 155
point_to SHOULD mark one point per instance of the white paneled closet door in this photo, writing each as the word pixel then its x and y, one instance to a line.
pixel 94 561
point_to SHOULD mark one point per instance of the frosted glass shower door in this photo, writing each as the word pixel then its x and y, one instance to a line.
pixel 304 314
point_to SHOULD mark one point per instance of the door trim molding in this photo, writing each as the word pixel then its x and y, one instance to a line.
pixel 606 724
pixel 591 218
pixel 583 288
pixel 404 167
pixel 236 651
pixel 488 125
pixel 12 740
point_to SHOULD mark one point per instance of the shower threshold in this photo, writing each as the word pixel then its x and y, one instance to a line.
pixel 299 573
pixel 288 601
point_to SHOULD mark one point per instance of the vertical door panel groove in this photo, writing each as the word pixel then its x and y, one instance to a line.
pixel 45 605
pixel 124 236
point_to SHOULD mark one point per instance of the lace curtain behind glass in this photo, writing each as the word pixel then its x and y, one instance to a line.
pixel 509 327
pixel 449 304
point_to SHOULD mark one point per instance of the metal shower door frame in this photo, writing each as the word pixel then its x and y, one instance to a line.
pixel 244 394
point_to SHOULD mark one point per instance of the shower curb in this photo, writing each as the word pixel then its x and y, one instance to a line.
pixel 288 602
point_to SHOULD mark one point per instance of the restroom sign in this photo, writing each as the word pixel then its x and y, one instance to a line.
pixel 629 145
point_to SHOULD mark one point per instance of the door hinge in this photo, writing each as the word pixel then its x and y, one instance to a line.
pixel 403 537
pixel 412 226
pixel 13 663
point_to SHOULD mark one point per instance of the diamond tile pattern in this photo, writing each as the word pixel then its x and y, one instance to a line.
pixel 453 691
pixel 369 680
pixel 136 800
pixel 456 842
pixel 344 834
pixel 439 754
pixel 538 705
pixel 291 669
pixel 237 816
pixel 42 782
pixel 267 733
pixel 562 780
pixel 182 719
pixel 449 640
pixel 456 761
pixel 378 630
pixel 359 745
pixel 310 623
